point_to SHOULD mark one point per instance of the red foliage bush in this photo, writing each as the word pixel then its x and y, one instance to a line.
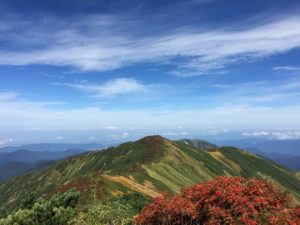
pixel 226 200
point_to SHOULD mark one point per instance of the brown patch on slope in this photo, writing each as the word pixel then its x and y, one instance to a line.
pixel 221 158
pixel 147 188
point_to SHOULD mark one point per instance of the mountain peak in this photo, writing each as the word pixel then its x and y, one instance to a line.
pixel 149 166
pixel 152 139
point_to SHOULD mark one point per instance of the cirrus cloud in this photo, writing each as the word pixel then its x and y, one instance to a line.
pixel 106 44
pixel 110 88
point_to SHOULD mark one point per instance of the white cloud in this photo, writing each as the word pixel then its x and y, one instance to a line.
pixel 289 135
pixel 17 114
pixel 59 138
pixel 215 131
pixel 221 86
pixel 109 42
pixel 110 88
pixel 257 134
pixel 258 93
pixel 110 127
pixel 175 133
pixel 283 135
pixel 7 95
pixel 121 136
pixel 6 141
pixel 288 68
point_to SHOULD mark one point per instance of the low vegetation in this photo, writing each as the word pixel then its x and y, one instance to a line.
pixel 59 210
pixel 226 200
pixel 117 210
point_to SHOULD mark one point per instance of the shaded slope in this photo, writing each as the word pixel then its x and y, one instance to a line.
pixel 19 168
pixel 28 156
pixel 149 166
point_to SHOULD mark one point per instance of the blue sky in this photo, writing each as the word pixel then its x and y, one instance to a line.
pixel 85 71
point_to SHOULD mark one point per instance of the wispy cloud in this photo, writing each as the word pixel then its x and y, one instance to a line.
pixel 121 136
pixel 283 135
pixel 101 47
pixel 110 88
pixel 15 97
pixel 19 114
pixel 258 92
pixel 175 133
pixel 110 127
pixel 240 85
pixel 6 142
pixel 220 85
pixel 256 134
pixel 8 95
pixel 288 68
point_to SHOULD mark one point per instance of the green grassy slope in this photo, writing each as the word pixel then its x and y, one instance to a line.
pixel 199 143
pixel 149 166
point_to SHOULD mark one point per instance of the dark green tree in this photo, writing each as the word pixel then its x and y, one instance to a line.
pixel 59 210
pixel 27 202
pixel 3 212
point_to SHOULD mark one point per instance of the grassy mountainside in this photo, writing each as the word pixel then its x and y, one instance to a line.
pixel 199 143
pixel 148 166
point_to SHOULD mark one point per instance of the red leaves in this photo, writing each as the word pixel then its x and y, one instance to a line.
pixel 218 193
pixel 226 200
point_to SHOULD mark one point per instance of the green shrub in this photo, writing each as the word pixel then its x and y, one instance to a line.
pixel 115 211
pixel 59 210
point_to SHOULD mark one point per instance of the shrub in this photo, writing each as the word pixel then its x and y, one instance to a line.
pixel 226 200
pixel 115 211
pixel 3 212
pixel 59 210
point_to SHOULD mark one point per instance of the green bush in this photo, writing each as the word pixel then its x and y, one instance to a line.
pixel 3 212
pixel 59 210
pixel 115 211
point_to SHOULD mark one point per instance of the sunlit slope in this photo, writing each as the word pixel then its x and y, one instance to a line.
pixel 149 166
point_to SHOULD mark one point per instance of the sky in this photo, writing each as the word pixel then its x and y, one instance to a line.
pixel 113 70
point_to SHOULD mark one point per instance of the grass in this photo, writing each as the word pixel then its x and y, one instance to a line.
pixel 152 163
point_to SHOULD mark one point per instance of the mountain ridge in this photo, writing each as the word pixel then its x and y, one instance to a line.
pixel 149 166
pixel 52 147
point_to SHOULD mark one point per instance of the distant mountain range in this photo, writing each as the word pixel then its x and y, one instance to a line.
pixel 284 152
pixel 149 166
pixel 18 168
pixel 51 147
pixel 31 156
pixel 286 147
pixel 289 161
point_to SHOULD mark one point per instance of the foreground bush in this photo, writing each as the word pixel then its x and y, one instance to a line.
pixel 59 210
pixel 226 200
pixel 115 211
